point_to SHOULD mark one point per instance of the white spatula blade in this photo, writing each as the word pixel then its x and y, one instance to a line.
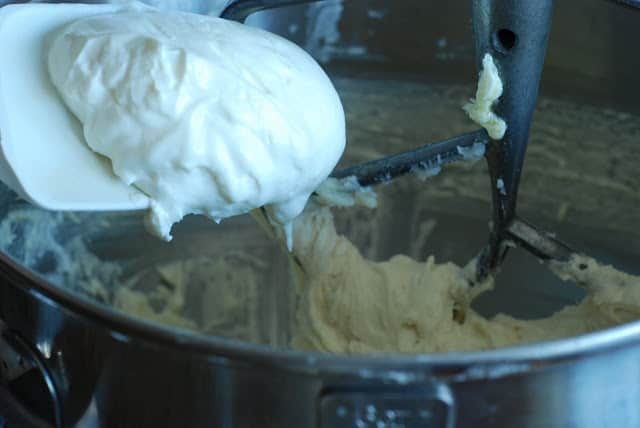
pixel 43 155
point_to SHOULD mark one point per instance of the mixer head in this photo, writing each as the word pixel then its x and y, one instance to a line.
pixel 515 33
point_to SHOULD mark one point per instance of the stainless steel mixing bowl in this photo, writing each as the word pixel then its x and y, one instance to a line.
pixel 403 69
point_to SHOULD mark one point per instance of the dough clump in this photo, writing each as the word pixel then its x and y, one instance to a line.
pixel 488 92
pixel 353 305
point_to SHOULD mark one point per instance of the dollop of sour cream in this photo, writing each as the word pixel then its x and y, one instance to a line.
pixel 204 115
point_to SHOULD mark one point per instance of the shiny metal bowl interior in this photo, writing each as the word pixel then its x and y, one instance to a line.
pixel 403 69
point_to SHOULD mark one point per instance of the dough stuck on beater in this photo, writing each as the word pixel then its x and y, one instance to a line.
pixel 488 92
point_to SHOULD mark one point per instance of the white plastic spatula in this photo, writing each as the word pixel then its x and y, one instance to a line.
pixel 43 155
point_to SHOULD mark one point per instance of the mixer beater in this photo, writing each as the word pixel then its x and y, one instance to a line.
pixel 515 34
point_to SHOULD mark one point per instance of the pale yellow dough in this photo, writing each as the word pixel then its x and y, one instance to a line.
pixel 353 305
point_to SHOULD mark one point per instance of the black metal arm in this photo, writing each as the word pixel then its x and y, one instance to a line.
pixel 515 33
pixel 239 10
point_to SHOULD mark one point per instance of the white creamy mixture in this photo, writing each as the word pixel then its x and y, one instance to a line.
pixel 204 115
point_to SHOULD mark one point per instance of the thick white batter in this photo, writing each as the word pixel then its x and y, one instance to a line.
pixel 204 115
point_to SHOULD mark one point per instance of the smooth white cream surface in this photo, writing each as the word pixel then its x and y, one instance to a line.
pixel 204 115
